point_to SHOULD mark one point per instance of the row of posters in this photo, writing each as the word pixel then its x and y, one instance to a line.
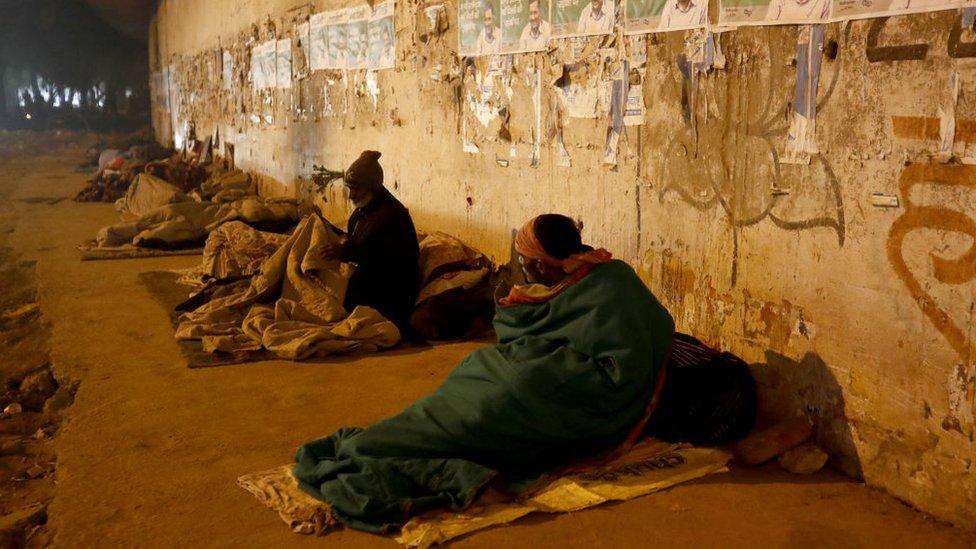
pixel 270 65
pixel 490 27
pixel 353 38
pixel 771 12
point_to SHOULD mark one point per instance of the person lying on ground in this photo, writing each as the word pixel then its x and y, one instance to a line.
pixel 381 243
pixel 574 374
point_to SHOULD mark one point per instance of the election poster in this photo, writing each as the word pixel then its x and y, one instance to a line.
pixel 525 25
pixel 382 38
pixel 582 17
pixel 478 27
pixel 859 9
pixel 773 12
pixel 357 38
pixel 335 22
pixel 318 30
pixel 643 16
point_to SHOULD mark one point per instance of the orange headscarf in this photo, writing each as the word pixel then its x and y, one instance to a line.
pixel 576 267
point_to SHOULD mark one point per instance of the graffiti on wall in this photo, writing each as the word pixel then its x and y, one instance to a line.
pixel 961 42
pixel 954 271
pixel 725 155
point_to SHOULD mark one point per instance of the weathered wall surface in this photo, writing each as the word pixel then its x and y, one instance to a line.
pixel 856 314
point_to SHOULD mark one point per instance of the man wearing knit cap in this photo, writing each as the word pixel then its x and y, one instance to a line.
pixel 382 243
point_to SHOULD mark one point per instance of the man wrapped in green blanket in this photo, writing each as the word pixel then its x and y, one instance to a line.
pixel 574 374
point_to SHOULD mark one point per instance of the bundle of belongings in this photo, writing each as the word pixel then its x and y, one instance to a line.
pixel 292 306
pixel 161 215
pixel 550 416
pixel 117 168
pixel 264 291
pixel 455 299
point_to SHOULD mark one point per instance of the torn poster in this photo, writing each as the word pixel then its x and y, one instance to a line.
pixel 433 13
pixel 357 38
pixel 169 88
pixel 303 33
pixel 579 101
pixel 228 70
pixel 283 64
pixel 947 116
pixel 318 58
pixel 562 155
pixel 637 50
pixel 618 100
pixel 467 145
pixel 478 30
pixel 482 105
pixel 373 88
pixel 382 38
pixel 525 25
pixel 582 17
pixel 773 12
pixel 579 98
pixel 634 109
pixel 537 130
pixel 264 62
pixel 336 23
pixel 855 9
pixel 801 139
pixel 641 16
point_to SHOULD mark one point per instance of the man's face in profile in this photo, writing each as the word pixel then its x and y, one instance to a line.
pixel 597 6
pixel 489 23
pixel 535 18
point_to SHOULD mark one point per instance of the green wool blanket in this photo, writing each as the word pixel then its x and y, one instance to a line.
pixel 567 380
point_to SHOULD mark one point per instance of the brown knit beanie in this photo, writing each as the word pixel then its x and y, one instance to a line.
pixel 366 170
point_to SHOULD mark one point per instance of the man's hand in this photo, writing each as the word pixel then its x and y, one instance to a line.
pixel 502 290
pixel 333 252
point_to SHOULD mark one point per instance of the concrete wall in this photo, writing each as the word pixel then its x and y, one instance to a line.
pixel 857 314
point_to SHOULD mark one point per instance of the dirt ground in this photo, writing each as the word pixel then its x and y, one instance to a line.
pixel 150 450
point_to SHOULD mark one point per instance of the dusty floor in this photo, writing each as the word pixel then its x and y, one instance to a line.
pixel 150 451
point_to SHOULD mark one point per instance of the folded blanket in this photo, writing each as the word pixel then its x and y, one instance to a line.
pixel 292 306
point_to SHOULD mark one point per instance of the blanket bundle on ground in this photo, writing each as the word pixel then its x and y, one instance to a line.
pixel 185 224
pixel 291 307
pixel 568 379
pixel 455 296
pixel 118 169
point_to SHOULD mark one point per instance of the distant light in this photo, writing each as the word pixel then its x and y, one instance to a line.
pixel 128 93
pixel 28 116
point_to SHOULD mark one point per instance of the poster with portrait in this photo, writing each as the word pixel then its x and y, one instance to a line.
pixel 357 37
pixel 582 17
pixel 283 64
pixel 773 12
pixel 643 16
pixel 335 22
pixel 382 38
pixel 859 9
pixel 264 64
pixel 479 32
pixel 318 30
pixel 525 25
